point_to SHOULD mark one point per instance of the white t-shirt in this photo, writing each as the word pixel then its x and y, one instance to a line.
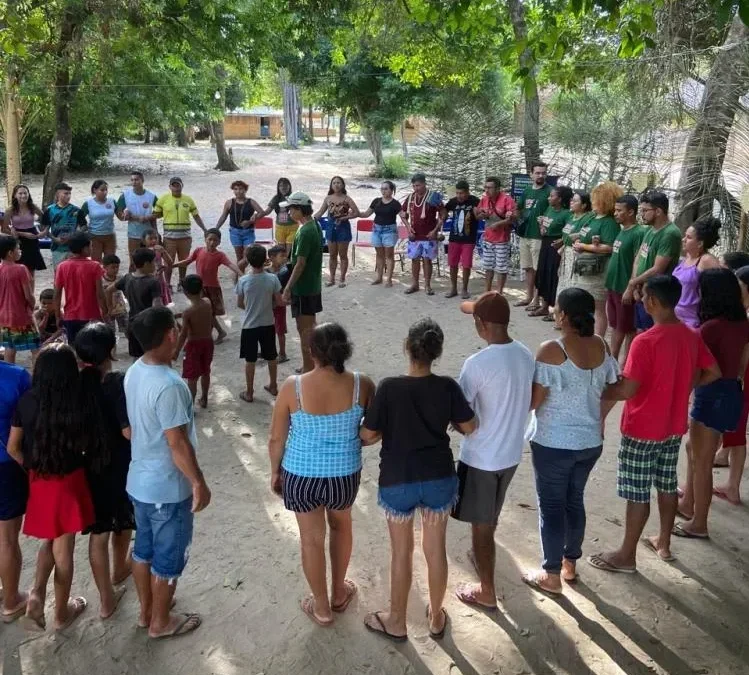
pixel 497 383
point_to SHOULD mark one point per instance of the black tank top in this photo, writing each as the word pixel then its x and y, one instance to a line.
pixel 240 212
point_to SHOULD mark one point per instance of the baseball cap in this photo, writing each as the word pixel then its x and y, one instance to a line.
pixel 176 180
pixel 296 199
pixel 490 307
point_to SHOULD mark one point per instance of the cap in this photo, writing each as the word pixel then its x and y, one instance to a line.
pixel 490 307
pixel 296 199
pixel 175 180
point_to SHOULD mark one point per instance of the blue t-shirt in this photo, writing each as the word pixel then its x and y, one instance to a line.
pixel 157 400
pixel 62 222
pixel 14 381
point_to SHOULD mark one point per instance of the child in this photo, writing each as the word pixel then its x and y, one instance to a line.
pixel 17 329
pixel 462 237
pixel 117 317
pixel 278 265
pixel 196 337
pixel 208 259
pixel 61 221
pixel 46 321
pixel 257 293
pixel 152 240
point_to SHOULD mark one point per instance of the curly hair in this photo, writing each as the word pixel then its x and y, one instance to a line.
pixel 424 341
pixel 565 195
pixel 720 296
pixel 603 197
pixel 707 231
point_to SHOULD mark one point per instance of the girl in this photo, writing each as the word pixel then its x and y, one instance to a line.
pixel 107 462
pixel 18 331
pixel 49 436
pixel 151 239
pixel 340 209
pixel 100 211
pixel 242 213
pixel 20 219
pixel 385 234
pixel 285 226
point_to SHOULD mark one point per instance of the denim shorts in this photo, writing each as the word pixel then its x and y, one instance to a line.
pixel 336 232
pixel 384 236
pixel 163 536
pixel 718 405
pixel 431 496
pixel 242 236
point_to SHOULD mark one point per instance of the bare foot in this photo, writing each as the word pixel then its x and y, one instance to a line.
pixel 120 576
pixel 75 608
pixel 653 543
pixel 376 282
pixel 221 337
pixel 727 493
pixel 569 570
pixel 389 283
pixel 273 391
pixel 203 401
pixel 451 294
pixel 34 619
pixel 106 612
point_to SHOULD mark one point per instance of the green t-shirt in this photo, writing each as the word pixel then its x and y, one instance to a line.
pixel 308 245
pixel 559 218
pixel 574 225
pixel 606 228
pixel 620 265
pixel 665 242
pixel 532 204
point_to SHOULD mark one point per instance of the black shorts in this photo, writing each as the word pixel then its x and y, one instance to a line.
pixel 265 337
pixel 481 494
pixel 302 494
pixel 305 305
pixel 14 490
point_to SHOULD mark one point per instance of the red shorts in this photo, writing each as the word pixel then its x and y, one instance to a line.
pixel 460 254
pixel 198 358
pixel 216 298
pixel 279 320
pixel 736 438
pixel 621 317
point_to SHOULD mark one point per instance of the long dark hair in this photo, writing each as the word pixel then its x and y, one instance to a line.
pixel 579 307
pixel 330 346
pixel 720 296
pixel 282 181
pixel 330 188
pixel 15 206
pixel 424 341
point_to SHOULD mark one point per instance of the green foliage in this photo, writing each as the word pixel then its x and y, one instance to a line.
pixel 393 167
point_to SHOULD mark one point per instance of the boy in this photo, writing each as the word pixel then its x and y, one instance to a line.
pixel 117 307
pixel 663 365
pixel 61 220
pixel 257 293
pixel 208 259
pixel 196 337
pixel 45 319
pixel 17 329
pixel 462 236
pixel 80 279
pixel 278 265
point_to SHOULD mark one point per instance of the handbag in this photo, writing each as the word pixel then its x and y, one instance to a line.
pixel 589 264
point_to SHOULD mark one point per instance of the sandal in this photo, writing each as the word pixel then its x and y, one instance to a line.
pixel 189 623
pixel 600 563
pixel 429 291
pixel 351 590
pixel 382 630
pixel 271 391
pixel 247 398
pixel 283 359
pixel 651 547
pixel 439 635
pixel 549 318
pixel 18 611
pixel 76 606
pixel 308 607
pixel 411 289
pixel 680 531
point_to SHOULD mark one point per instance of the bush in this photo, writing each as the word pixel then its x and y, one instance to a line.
pixel 393 166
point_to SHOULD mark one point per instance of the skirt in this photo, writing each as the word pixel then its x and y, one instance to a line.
pixel 547 275
pixel 566 260
pixel 594 284
pixel 113 510
pixel 31 255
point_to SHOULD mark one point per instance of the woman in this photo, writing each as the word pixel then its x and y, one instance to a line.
pixel 716 407
pixel 385 233
pixel 315 454
pixel 411 414
pixel 285 226
pixel 243 213
pixel 552 225
pixel 594 247
pixel 698 240
pixel 571 375
pixel 580 215
pixel 19 218
pixel 100 211
pixel 340 209
pixel 107 462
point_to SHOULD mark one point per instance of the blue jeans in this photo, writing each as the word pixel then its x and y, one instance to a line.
pixel 561 476
pixel 431 496
pixel 163 536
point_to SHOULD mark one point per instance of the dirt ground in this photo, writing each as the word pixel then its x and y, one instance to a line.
pixel 245 576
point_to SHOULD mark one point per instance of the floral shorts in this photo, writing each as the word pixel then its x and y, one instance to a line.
pixel 20 339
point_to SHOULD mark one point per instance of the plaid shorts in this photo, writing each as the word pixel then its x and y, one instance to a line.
pixel 645 463
pixel 20 339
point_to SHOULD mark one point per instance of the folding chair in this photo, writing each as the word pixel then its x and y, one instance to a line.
pixel 401 246
pixel 264 231
pixel 363 238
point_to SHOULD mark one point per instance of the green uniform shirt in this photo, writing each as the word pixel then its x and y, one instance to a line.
pixel 532 204
pixel 574 226
pixel 559 218
pixel 606 228
pixel 308 245
pixel 626 246
pixel 665 242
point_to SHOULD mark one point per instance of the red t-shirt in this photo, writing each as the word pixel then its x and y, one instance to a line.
pixel 422 215
pixel 664 360
pixel 726 341
pixel 14 310
pixel 208 263
pixel 77 278
pixel 500 208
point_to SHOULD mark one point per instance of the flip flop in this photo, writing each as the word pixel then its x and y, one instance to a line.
pixel 329 284
pixel 679 531
pixel 247 399
pixel 465 296
pixel 283 359
pixel 521 303
pixel 171 607
pixel 18 611
pixel 451 294
pixel 466 593
pixel 539 312
pixel 382 630
pixel 79 604
pixel 351 590
pixel 722 495
pixel 342 284
pixel 308 607
pixel 532 579
pixel 189 623
pixel 716 465
pixel 410 290
pixel 270 391
pixel 596 560
pixel 440 634
pixel 429 291
pixel 548 317
pixel 118 593
pixel 649 545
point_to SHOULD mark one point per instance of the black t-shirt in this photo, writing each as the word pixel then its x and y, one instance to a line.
pixel 413 414
pixel 385 214
pixel 240 212
pixel 139 291
pixel 464 225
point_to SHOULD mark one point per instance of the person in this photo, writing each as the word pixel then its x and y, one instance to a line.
pixel 80 280
pixel 385 232
pixel 279 267
pixel 164 481
pixel 17 329
pixel 734 260
pixel 176 209
pixel 421 212
pixel 497 210
pixel 462 241
pixel 340 209
pixel 316 462
pixel 532 204
pixel 621 315
pixel 257 293
pixel 196 336
pixel 594 247
pixel 698 239
pixel 106 463
pixel 662 366
pixel 100 211
pixel 285 226
pixel 136 207
pixel 60 220
pixel 658 254
pixel 116 316
pixel 571 375
pixel 411 414
pixel 207 260
pixel 45 319
pixel 580 216
pixel 304 288
pixel 50 437
pixel 497 384
pixel 551 225
pixel 242 212
pixel 19 218
pixel 717 406
pixel 162 262
pixel 14 492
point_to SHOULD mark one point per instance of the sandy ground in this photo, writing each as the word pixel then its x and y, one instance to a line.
pixel 245 575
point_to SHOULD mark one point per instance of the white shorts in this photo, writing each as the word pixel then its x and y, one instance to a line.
pixel 530 249
pixel 496 257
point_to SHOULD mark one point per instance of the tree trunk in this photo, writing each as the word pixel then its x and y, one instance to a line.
pixel 342 128
pixel 614 145
pixel 147 135
pixel 12 133
pixel 374 142
pixel 225 160
pixel 311 124
pixel 404 145
pixel 181 134
pixel 701 171
pixel 327 128
pixel 290 110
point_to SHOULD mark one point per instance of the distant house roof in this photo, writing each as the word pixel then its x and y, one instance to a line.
pixel 258 111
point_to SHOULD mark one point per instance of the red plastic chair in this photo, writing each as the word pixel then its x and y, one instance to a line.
pixel 401 247
pixel 264 231
pixel 364 229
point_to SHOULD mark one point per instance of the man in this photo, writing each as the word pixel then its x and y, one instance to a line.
pixel 164 482
pixel 531 206
pixel 626 245
pixel 136 206
pixel 421 215
pixel 659 253
pixel 497 383
pixel 176 210
pixel 497 209
pixel 304 288
pixel 462 236
pixel 60 219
